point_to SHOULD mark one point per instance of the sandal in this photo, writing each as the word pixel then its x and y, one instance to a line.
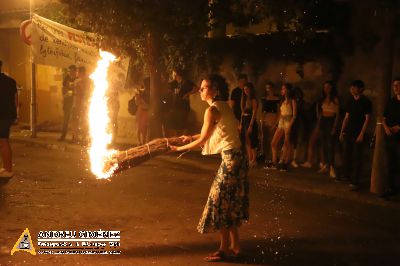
pixel 218 256
pixel 236 255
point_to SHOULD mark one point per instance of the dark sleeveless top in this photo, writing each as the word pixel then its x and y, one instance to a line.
pixel 269 106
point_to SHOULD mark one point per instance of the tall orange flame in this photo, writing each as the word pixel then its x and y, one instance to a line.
pixel 99 121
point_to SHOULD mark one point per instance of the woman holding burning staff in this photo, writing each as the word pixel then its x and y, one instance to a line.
pixel 228 202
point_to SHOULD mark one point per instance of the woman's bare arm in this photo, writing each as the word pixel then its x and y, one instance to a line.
pixel 211 117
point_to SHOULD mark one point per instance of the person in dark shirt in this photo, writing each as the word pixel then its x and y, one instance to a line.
pixel 181 88
pixel 391 124
pixel 8 114
pixel 236 96
pixel 80 108
pixel 297 131
pixel 358 113
pixel 68 98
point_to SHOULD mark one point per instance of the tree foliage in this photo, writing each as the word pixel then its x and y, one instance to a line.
pixel 181 26
pixel 126 23
pixel 296 29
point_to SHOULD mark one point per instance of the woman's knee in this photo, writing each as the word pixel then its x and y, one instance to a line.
pixel 274 143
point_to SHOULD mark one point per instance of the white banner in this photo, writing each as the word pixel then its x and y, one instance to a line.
pixel 57 45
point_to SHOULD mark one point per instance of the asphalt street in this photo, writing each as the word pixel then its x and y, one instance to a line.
pixel 297 218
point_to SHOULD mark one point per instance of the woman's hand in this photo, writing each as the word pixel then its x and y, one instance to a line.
pixel 388 131
pixel 186 139
pixel 173 148
pixel 395 129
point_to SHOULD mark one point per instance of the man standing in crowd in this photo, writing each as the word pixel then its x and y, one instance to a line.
pixel 236 96
pixel 355 123
pixel 181 88
pixel 68 98
pixel 80 105
pixel 391 124
pixel 8 114
pixel 113 104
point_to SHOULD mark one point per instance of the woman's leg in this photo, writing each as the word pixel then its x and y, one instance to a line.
pixel 311 145
pixel 267 133
pixel 224 240
pixel 287 150
pixel 254 154
pixel 274 144
pixel 313 140
pixel 248 147
pixel 325 139
pixel 234 233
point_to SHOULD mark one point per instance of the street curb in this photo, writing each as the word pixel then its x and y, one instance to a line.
pixel 51 146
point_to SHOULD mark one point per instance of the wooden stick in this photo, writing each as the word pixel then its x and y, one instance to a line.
pixel 137 155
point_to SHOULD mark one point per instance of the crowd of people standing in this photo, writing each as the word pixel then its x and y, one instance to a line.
pixel 76 90
pixel 285 123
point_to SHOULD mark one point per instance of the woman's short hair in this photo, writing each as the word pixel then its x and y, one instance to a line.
pixel 219 84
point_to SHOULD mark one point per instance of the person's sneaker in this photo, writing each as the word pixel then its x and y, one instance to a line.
pixel 283 167
pixel 354 187
pixel 306 165
pixel 332 172
pixel 6 174
pixel 341 179
pixel 294 164
pixel 252 164
pixel 388 194
pixel 271 166
pixel 268 164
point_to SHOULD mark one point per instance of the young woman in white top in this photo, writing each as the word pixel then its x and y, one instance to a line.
pixel 228 202
pixel 287 116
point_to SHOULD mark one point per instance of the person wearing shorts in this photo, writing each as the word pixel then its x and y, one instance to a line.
pixel 8 114
pixel 287 116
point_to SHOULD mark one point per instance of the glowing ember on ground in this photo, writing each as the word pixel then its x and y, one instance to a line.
pixel 99 121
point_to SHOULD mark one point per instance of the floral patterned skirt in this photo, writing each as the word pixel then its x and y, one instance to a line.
pixel 228 201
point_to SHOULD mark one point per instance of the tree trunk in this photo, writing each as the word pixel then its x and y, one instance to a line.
pixel 216 21
pixel 378 175
pixel 152 58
